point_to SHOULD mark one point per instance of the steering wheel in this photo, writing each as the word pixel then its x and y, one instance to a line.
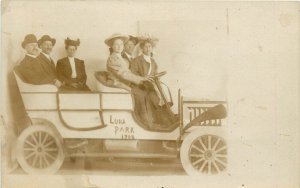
pixel 160 74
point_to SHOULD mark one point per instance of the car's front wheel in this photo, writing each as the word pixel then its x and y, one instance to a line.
pixel 203 153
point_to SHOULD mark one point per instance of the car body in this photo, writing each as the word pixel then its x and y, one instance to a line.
pixel 107 116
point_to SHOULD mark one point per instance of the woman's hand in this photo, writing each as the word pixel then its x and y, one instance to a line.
pixel 149 78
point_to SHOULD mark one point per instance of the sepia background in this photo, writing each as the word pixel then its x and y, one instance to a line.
pixel 246 53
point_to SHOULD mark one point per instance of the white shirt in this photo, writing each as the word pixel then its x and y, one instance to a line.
pixel 73 67
pixel 148 60
pixel 47 56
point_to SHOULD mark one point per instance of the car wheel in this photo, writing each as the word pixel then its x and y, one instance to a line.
pixel 40 150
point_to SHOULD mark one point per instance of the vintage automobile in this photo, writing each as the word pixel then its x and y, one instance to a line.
pixel 103 124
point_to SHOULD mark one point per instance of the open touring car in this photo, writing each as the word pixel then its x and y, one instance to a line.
pixel 105 121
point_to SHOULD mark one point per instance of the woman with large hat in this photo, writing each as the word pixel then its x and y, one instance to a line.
pixel 71 70
pixel 122 77
pixel 118 66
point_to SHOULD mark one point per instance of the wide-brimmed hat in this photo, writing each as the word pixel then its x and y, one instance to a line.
pixel 46 38
pixel 148 39
pixel 109 40
pixel 70 42
pixel 30 38
pixel 135 40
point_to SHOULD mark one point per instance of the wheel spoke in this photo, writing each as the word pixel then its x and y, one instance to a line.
pixel 45 159
pixel 202 166
pixel 34 139
pixel 40 137
pixel 49 143
pixel 29 149
pixel 196 155
pixel 221 149
pixel 49 155
pixel 198 161
pixel 209 142
pixel 216 144
pixel 34 160
pixel 204 147
pixel 221 162
pixel 29 143
pixel 221 155
pixel 198 149
pixel 30 155
pixel 209 167
pixel 216 166
pixel 51 149
pixel 45 138
pixel 40 161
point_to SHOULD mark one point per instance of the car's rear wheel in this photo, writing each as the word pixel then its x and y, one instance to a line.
pixel 204 153
pixel 40 150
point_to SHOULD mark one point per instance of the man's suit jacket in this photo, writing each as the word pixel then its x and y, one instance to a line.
pixel 140 67
pixel 48 65
pixel 121 74
pixel 64 71
pixel 34 71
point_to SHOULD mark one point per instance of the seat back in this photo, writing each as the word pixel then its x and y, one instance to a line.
pixel 36 97
pixel 26 87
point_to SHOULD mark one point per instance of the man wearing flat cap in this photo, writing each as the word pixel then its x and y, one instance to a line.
pixel 46 44
pixel 71 70
pixel 31 70
pixel 129 47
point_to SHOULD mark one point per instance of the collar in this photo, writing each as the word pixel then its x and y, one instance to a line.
pixel 147 58
pixel 31 55
pixel 71 58
pixel 46 55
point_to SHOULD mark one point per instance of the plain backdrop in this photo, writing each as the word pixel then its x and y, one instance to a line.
pixel 246 53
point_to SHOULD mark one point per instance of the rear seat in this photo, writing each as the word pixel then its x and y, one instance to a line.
pixel 105 84
pixel 25 87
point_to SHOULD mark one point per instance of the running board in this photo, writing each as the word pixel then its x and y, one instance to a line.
pixel 124 155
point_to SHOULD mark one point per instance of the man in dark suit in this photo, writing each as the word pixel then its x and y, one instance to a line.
pixel 70 70
pixel 46 44
pixel 129 47
pixel 30 68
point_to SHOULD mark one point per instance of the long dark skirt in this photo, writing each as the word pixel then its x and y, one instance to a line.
pixel 147 109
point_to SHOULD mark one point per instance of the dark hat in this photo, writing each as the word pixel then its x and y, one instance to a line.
pixel 30 38
pixel 109 40
pixel 135 40
pixel 69 42
pixel 46 38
